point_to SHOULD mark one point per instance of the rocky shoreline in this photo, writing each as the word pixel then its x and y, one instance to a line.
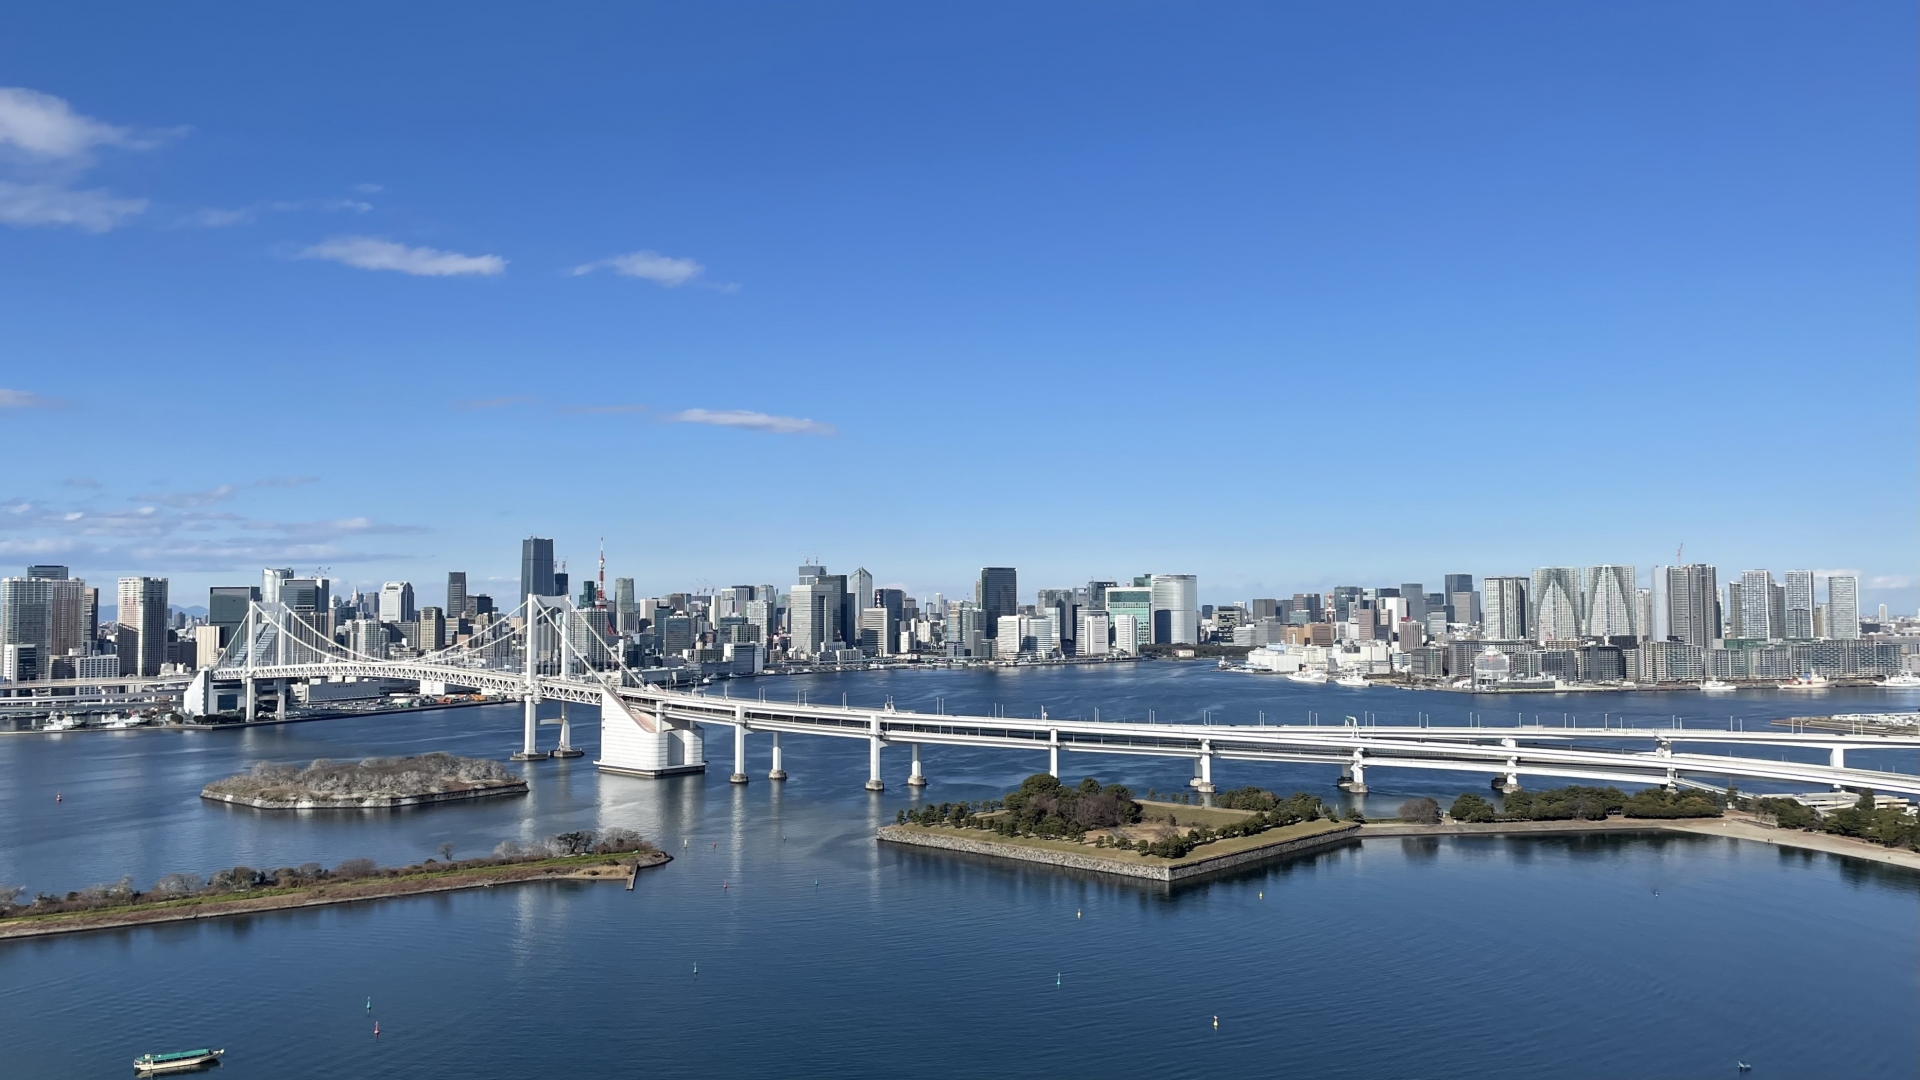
pixel 368 802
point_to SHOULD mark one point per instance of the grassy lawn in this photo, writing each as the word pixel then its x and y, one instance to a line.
pixel 1230 846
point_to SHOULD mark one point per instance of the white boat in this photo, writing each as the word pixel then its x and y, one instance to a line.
pixel 1903 681
pixel 1311 676
pixel 1806 682
pixel 182 1061
pixel 1353 681
pixel 1717 686
pixel 115 723
pixel 62 722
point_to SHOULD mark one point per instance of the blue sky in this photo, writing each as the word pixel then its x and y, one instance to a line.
pixel 1283 296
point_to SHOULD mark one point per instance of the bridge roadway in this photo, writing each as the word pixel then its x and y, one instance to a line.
pixel 1504 753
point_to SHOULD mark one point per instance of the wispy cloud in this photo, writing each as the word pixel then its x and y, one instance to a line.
pixel 190 498
pixel 752 421
pixel 648 265
pixel 215 218
pixel 27 399
pixel 372 253
pixel 493 403
pixel 603 410
pixel 1890 581
pixel 45 146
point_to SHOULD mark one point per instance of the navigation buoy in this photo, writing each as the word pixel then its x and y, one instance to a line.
pixel 376 1029
pixel 1056 978
pixel 1216 1023
pixel 1076 913
pixel 369 1004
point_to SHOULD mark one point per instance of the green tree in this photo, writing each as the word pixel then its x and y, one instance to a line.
pixel 1421 811
pixel 1471 807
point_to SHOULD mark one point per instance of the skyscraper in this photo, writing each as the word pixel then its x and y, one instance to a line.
pixel 270 580
pixel 142 635
pixel 1132 611
pixel 625 611
pixel 536 569
pixel 997 595
pixel 1756 606
pixel 227 609
pixel 1798 608
pixel 1693 598
pixel 1462 605
pixel 1176 609
pixel 1414 595
pixel 1504 609
pixel 860 589
pixel 1609 601
pixel 1555 598
pixel 456 594
pixel 1731 613
pixel 396 602
pixel 47 572
pixel 1843 607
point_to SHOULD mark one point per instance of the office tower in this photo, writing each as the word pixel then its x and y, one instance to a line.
pixel 433 629
pixel 1657 621
pixel 1097 594
pixel 1843 607
pixel 21 662
pixel 142 634
pixel 1092 633
pixel 227 609
pixel 1798 606
pixel 626 613
pixel 560 582
pixel 1732 613
pixel 536 569
pixel 1064 605
pixel 456 594
pixel 860 589
pixel 1258 609
pixel 843 622
pixel 1609 601
pixel 368 637
pixel 1882 618
pixel 1136 604
pixel 1555 599
pixel 1456 584
pixel 1756 606
pixel 1311 605
pixel 47 572
pixel 879 631
pixel 1129 632
pixel 1504 608
pixel 811 608
pixel 997 595
pixel 1176 609
pixel 1344 596
pixel 1415 596
pixel 270 580
pixel 396 602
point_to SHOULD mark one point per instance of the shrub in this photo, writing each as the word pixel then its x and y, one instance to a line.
pixel 1788 813
pixel 356 868
pixel 1661 803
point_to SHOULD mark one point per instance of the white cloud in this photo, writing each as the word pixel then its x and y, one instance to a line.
pixel 216 218
pixel 191 498
pixel 55 204
pixel 650 265
pixel 752 421
pixel 45 126
pixel 371 253
pixel 26 399
pixel 1890 581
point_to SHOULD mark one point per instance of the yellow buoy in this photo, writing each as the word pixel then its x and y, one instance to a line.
pixel 1216 1023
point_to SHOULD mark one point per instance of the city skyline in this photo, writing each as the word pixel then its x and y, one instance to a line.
pixel 1240 237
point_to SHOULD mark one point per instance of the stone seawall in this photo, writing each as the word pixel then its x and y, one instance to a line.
pixel 376 802
pixel 1169 872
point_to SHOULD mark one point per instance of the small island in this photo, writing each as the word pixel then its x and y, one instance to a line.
pixel 373 784
pixel 1105 829
pixel 614 855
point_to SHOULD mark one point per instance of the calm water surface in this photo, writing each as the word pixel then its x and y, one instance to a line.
pixel 829 955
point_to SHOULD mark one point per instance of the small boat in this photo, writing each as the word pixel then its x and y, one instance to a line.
pixel 1717 686
pixel 1805 682
pixel 179 1061
pixel 1353 681
pixel 1312 676
pixel 1903 681
pixel 62 722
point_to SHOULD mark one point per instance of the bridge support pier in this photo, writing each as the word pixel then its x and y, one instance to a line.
pixel 280 699
pixel 739 751
pixel 873 755
pixel 1053 754
pixel 1837 757
pixel 1353 778
pixel 916 780
pixel 1203 774
pixel 252 695
pixel 565 749
pixel 529 743
pixel 779 771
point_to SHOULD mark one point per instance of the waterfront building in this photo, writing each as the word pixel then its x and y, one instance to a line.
pixel 997 595
pixel 810 608
pixel 1129 632
pixel 456 594
pixel 879 631
pixel 1797 608
pixel 1176 609
pixel 1555 600
pixel 536 570
pixel 1843 607
pixel 1136 604
pixel 46 612
pixel 1093 633
pixel 21 662
pixel 1504 609
pixel 368 637
pixel 1608 602
pixel 1673 661
pixel 142 634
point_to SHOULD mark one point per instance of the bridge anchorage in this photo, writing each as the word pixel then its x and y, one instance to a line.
pixel 549 650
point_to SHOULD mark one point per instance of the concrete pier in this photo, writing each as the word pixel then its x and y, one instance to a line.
pixel 739 749
pixel 565 749
pixel 779 771
pixel 873 758
pixel 530 745
pixel 916 780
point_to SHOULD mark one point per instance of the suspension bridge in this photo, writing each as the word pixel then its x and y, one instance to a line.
pixel 549 650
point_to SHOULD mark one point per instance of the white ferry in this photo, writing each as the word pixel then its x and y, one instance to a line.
pixel 1353 681
pixel 1902 681
pixel 1806 682
pixel 1310 676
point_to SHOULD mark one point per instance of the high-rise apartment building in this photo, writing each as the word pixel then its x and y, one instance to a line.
pixel 142 635
pixel 997 595
pixel 1609 601
pixel 1731 612
pixel 1176 609
pixel 433 629
pixel 47 612
pixel 536 570
pixel 1693 596
pixel 1756 606
pixel 456 594
pixel 1798 606
pixel 1555 600
pixel 1843 607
